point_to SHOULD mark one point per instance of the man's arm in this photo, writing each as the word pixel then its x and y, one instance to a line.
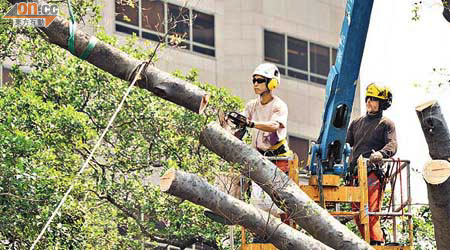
pixel 270 126
pixel 350 138
pixel 279 119
pixel 391 141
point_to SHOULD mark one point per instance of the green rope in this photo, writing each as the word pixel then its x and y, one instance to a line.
pixel 72 18
pixel 71 42
pixel 89 48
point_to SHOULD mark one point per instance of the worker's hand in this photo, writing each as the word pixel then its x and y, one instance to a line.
pixel 250 124
pixel 376 157
pixel 223 121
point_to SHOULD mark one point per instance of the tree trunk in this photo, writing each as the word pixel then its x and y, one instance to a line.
pixel 283 191
pixel 436 172
pixel 123 66
pixel 446 11
pixel 199 191
pixel 435 130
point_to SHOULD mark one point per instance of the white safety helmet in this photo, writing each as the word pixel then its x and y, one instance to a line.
pixel 270 71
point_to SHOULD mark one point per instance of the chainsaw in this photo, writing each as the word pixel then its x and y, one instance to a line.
pixel 240 122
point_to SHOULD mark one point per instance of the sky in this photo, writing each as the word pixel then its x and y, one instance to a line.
pixel 402 53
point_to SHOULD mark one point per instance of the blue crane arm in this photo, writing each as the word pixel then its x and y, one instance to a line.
pixel 341 85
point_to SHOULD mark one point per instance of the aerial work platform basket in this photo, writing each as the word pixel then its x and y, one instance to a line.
pixel 335 194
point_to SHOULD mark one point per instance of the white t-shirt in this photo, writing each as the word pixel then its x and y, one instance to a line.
pixel 275 110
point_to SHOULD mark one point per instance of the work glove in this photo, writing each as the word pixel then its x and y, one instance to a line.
pixel 376 157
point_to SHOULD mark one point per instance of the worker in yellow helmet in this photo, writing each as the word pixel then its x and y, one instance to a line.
pixel 373 136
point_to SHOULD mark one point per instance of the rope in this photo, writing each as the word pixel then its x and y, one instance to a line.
pixel 401 194
pixel 71 42
pixel 97 144
pixel 72 29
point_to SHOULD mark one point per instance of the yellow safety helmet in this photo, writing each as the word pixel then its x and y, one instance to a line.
pixel 382 93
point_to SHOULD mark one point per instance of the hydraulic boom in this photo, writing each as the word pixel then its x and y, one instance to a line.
pixel 330 154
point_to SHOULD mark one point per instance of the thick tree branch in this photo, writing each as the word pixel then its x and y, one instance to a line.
pixel 446 11
pixel 437 172
pixel 193 188
pixel 435 130
pixel 123 66
pixel 283 191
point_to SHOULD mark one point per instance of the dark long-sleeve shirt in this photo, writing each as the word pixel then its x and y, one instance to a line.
pixel 371 132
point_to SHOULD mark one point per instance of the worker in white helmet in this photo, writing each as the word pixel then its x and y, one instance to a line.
pixel 267 114
pixel 267 117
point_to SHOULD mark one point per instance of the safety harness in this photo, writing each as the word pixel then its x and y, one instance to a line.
pixel 279 149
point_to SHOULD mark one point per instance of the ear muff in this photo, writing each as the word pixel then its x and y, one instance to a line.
pixel 272 84
pixel 385 104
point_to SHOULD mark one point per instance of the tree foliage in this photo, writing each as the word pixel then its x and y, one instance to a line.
pixel 50 118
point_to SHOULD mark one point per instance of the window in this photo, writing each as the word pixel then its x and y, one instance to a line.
pixel 274 47
pixel 178 22
pixel 127 13
pixel 319 59
pixel 301 148
pixel 299 58
pixel 153 16
pixel 151 19
pixel 203 32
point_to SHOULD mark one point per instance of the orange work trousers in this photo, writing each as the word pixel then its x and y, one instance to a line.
pixel 374 186
pixel 283 165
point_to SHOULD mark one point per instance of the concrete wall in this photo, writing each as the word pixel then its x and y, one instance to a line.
pixel 239 43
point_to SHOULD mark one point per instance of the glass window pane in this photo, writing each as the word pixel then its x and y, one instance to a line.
pixel 124 29
pixel 274 47
pixel 152 37
pixel 298 75
pixel 319 80
pixel 203 28
pixel 178 21
pixel 209 52
pixel 333 56
pixel 319 59
pixel 153 15
pixel 297 54
pixel 300 147
pixel 282 70
pixel 127 12
pixel 179 45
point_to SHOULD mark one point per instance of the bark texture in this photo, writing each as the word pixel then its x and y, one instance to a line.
pixel 439 200
pixel 283 191
pixel 436 172
pixel 197 190
pixel 446 11
pixel 435 130
pixel 123 66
